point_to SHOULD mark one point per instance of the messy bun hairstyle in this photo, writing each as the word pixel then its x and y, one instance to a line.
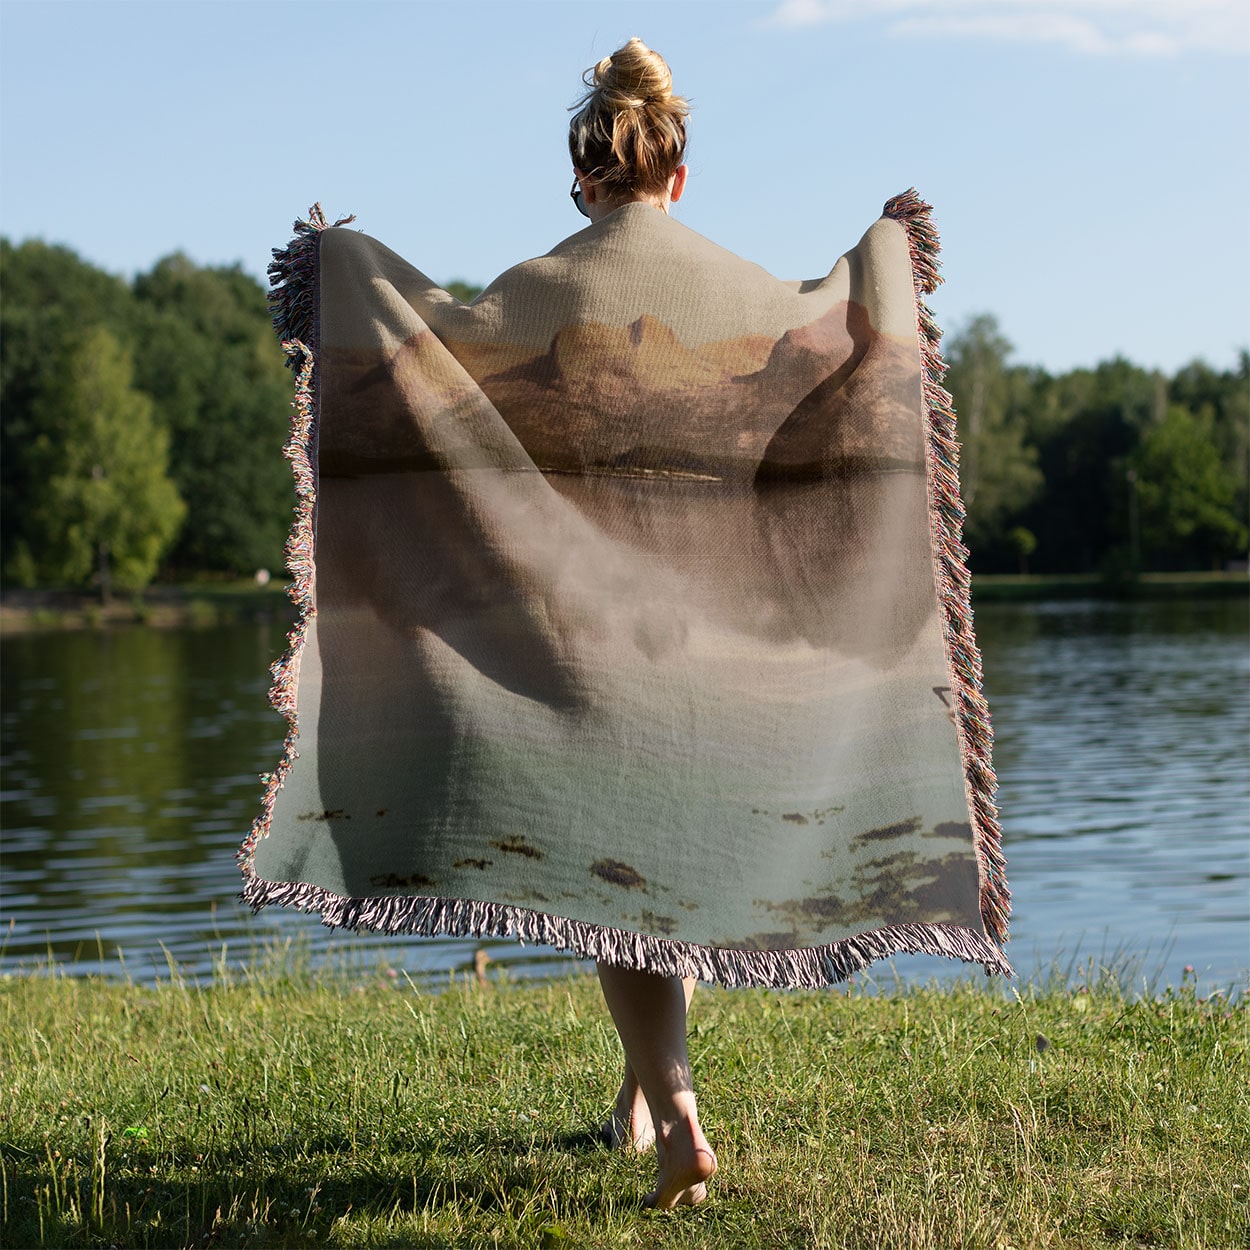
pixel 629 131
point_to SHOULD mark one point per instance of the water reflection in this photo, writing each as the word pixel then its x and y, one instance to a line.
pixel 131 760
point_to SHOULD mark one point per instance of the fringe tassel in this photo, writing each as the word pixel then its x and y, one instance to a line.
pixel 293 295
pixel 809 968
pixel 950 559
pixel 293 302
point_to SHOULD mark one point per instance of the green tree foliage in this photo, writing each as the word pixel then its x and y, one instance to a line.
pixel 464 291
pixel 51 297
pixel 998 467
pixel 207 355
pixel 1024 543
pixel 1096 419
pixel 1187 492
pixel 101 504
pixel 1222 400
pixel 1077 461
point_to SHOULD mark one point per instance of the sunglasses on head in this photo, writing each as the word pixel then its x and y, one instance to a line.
pixel 576 196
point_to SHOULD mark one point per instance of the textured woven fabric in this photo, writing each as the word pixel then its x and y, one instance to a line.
pixel 633 614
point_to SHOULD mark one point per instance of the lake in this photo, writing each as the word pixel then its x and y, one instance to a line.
pixel 131 758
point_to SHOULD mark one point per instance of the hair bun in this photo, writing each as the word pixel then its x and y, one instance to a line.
pixel 633 76
pixel 629 129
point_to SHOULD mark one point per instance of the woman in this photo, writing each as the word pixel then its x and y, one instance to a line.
pixel 628 141
pixel 639 615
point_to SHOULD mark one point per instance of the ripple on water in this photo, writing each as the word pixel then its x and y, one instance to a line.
pixel 1121 749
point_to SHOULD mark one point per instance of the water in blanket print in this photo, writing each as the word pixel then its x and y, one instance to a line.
pixel 131 760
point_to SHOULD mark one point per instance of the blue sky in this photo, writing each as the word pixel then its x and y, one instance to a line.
pixel 1089 160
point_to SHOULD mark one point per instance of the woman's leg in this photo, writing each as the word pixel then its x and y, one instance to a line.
pixel 629 1126
pixel 649 1012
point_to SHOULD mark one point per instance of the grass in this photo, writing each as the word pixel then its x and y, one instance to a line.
pixel 198 603
pixel 284 1108
pixel 1030 587
pixel 212 602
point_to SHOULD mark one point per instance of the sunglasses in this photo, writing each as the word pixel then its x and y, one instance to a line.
pixel 576 196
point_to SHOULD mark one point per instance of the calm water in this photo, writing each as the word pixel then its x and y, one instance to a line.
pixel 131 758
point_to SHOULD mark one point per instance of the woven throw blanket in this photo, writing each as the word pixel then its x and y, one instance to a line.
pixel 633 613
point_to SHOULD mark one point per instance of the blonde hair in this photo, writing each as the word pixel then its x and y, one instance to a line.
pixel 629 131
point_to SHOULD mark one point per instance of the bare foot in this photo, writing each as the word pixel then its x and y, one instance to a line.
pixel 686 1165
pixel 629 1126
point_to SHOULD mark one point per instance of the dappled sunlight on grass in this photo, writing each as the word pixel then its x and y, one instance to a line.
pixel 281 1107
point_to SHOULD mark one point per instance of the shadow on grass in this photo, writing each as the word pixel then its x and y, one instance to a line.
pixel 295 1194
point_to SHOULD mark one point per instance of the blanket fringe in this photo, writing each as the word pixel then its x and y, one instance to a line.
pixel 293 295
pixel 954 583
pixel 293 303
pixel 807 968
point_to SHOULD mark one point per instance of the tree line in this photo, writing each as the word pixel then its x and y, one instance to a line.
pixel 142 420
pixel 1114 470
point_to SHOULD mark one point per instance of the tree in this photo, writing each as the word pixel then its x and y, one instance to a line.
pixel 1187 493
pixel 1223 399
pixel 464 291
pixel 1024 543
pixel 51 298
pixel 1087 424
pixel 208 358
pixel 997 467
pixel 102 506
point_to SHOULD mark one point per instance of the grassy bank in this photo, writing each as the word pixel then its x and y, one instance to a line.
pixel 214 603
pixel 167 606
pixel 283 1110
pixel 1000 587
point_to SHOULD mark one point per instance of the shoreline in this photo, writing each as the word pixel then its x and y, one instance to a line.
pixel 1035 587
pixel 205 604
pixel 173 606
